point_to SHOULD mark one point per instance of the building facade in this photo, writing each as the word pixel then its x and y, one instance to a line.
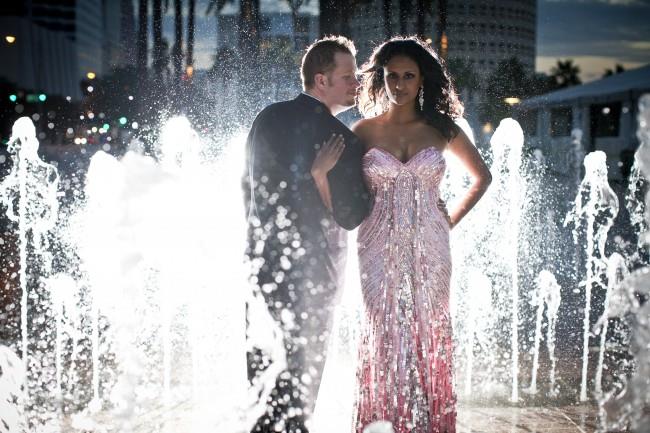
pixel 485 32
pixel 56 43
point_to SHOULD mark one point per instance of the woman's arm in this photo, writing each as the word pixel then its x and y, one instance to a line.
pixel 326 158
pixel 464 150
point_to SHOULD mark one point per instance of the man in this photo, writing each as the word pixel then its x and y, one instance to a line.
pixel 295 245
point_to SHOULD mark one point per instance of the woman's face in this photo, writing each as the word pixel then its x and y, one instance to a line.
pixel 402 80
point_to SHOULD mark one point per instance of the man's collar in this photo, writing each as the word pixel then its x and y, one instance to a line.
pixel 312 100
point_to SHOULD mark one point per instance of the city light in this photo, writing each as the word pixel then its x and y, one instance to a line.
pixel 512 101
pixel 10 39
pixel 91 75
pixel 90 88
pixel 105 126
pixel 13 98
pixel 122 120
pixel 42 97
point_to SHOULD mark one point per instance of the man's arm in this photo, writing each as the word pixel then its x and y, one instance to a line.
pixel 271 178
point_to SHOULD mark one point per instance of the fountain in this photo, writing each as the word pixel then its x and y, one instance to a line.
pixel 149 292
pixel 547 295
pixel 596 205
pixel 627 407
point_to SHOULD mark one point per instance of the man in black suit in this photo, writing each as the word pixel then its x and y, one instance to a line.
pixel 296 246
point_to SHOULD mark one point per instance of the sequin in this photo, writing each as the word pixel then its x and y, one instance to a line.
pixel 405 372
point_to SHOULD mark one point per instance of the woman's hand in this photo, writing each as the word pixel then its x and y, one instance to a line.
pixel 327 156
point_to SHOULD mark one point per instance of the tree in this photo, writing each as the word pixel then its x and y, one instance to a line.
pixel 566 74
pixel 142 37
pixel 463 74
pixel 508 80
pixel 177 50
pixel 387 9
pixel 189 61
pixel 158 53
pixel 617 70
pixel 405 7
pixel 294 5
pixel 422 9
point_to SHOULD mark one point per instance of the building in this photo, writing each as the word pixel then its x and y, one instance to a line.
pixel 484 32
pixel 599 115
pixel 55 44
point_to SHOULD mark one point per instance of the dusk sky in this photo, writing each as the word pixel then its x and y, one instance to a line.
pixel 597 34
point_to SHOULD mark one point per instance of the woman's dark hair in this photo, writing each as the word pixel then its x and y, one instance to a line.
pixel 441 104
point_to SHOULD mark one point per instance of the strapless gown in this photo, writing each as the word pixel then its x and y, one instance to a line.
pixel 405 371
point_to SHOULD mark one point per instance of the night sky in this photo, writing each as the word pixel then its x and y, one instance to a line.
pixel 597 34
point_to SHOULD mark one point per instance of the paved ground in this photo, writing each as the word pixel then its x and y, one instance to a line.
pixel 578 419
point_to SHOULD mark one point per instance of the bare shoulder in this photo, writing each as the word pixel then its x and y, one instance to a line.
pixel 364 129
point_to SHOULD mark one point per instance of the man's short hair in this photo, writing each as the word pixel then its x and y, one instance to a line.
pixel 319 57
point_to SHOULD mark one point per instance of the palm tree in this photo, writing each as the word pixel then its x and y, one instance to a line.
pixel 387 9
pixel 249 28
pixel 422 9
pixel 405 7
pixel 189 61
pixel 294 5
pixel 141 62
pixel 566 74
pixel 157 39
pixel 177 50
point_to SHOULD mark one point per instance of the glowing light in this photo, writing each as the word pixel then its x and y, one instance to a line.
pixel 94 129
pixel 91 75
pixel 512 101
pixel 13 98
pixel 69 131
pixel 90 88
pixel 487 128
pixel 10 39
pixel 91 115
pixel 189 71
pixel 134 125
pixel 429 40
pixel 123 120
pixel 42 97
pixel 68 98
pixel 606 110
pixel 130 98
pixel 106 126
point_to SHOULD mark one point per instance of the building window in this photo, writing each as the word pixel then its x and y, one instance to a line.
pixel 605 119
pixel 561 120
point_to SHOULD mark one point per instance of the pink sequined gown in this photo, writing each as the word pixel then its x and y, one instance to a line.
pixel 405 365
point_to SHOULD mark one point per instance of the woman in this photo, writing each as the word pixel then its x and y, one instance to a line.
pixel 405 366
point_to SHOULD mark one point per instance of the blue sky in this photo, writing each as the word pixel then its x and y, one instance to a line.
pixel 597 34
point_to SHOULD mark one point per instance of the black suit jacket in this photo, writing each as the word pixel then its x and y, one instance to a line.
pixel 282 201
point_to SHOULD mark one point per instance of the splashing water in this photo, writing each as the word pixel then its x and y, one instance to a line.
pixel 595 207
pixel 628 407
pixel 158 296
pixel 548 295
pixel 616 272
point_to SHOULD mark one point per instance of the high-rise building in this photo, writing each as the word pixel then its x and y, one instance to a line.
pixel 58 42
pixel 484 32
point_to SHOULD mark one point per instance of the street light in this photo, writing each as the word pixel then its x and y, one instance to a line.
pixel 10 39
pixel 512 101
pixel 91 75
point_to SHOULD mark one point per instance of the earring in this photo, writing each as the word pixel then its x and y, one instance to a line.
pixel 421 97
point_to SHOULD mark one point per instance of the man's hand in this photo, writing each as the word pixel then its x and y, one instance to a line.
pixel 327 156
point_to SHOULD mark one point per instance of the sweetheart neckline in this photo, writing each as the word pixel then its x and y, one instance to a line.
pixel 399 160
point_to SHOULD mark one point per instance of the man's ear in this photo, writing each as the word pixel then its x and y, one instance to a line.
pixel 320 80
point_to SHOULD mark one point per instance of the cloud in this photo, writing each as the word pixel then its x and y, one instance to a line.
pixel 591 67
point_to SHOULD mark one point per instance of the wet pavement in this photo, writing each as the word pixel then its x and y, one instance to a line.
pixel 578 419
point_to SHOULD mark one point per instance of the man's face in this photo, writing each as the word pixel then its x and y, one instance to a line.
pixel 342 83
